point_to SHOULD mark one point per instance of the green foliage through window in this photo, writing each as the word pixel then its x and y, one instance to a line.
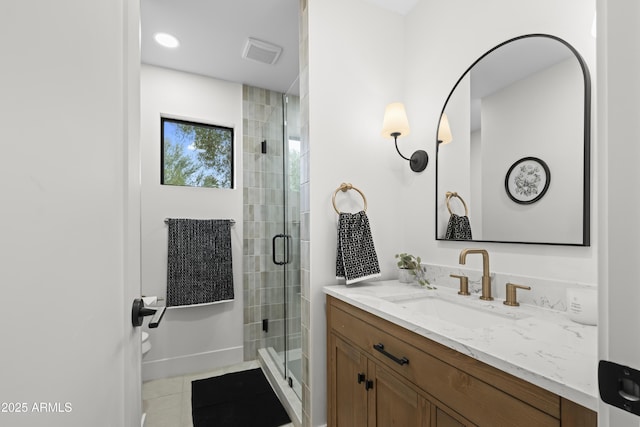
pixel 196 154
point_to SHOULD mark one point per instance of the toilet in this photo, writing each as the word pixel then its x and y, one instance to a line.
pixel 146 345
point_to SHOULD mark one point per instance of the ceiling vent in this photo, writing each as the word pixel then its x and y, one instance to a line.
pixel 259 51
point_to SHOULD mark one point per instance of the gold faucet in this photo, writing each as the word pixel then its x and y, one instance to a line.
pixel 511 299
pixel 486 277
pixel 464 284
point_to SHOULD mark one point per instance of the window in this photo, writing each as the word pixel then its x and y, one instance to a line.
pixel 196 154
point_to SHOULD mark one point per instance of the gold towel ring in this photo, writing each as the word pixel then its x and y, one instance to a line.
pixel 345 187
pixel 451 194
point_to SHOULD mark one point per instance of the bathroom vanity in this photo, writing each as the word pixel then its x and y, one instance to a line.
pixel 401 355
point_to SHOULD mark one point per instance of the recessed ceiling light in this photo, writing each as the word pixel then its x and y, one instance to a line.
pixel 166 40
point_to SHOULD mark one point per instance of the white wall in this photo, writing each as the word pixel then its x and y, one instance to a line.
pixel 66 282
pixel 189 339
pixel 361 58
pixel 619 130
pixel 356 54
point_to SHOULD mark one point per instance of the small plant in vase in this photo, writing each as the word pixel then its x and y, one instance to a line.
pixel 410 270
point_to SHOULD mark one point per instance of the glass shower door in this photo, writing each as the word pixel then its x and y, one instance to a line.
pixel 293 326
pixel 280 228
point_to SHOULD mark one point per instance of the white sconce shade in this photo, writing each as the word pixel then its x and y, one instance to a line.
pixel 395 121
pixel 396 124
pixel 444 131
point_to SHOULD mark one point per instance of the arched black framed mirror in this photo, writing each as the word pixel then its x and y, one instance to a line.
pixel 529 97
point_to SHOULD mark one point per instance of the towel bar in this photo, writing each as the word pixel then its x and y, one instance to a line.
pixel 233 221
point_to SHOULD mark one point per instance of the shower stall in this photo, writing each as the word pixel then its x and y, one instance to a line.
pixel 272 229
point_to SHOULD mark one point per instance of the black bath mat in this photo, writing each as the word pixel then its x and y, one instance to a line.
pixel 238 399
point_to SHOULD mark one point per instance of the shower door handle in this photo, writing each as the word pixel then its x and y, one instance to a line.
pixel 287 240
pixel 273 249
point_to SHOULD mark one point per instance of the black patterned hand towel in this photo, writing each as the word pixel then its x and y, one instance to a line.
pixel 199 265
pixel 356 259
pixel 458 228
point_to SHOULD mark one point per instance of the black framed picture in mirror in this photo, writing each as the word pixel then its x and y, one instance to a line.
pixel 527 180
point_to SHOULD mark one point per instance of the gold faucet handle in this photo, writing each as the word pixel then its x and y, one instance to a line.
pixel 511 294
pixel 464 284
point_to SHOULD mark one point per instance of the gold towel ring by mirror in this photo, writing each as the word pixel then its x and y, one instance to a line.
pixel 451 194
pixel 345 187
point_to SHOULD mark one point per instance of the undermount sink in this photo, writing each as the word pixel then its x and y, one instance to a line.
pixel 464 314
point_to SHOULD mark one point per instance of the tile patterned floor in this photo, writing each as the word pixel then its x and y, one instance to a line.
pixel 167 401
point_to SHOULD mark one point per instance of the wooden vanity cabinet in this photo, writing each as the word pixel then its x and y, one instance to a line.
pixel 438 387
pixel 366 393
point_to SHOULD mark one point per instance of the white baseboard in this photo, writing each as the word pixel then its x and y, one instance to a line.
pixel 191 364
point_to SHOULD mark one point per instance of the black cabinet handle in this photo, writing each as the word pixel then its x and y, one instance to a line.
pixel 368 385
pixel 361 378
pixel 399 360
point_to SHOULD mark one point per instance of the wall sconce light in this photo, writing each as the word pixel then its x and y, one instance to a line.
pixel 444 131
pixel 396 124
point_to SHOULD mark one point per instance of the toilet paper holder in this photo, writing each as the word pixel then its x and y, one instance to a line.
pixel 139 312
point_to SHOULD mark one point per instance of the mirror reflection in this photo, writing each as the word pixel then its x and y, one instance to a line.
pixel 513 146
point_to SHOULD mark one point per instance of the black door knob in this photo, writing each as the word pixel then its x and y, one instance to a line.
pixel 139 311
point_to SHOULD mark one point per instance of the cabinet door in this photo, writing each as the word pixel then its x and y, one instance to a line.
pixel 348 375
pixel 445 420
pixel 394 403
pixel 444 417
pixel 575 415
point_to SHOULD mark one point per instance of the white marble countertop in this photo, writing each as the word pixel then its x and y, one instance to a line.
pixel 535 344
